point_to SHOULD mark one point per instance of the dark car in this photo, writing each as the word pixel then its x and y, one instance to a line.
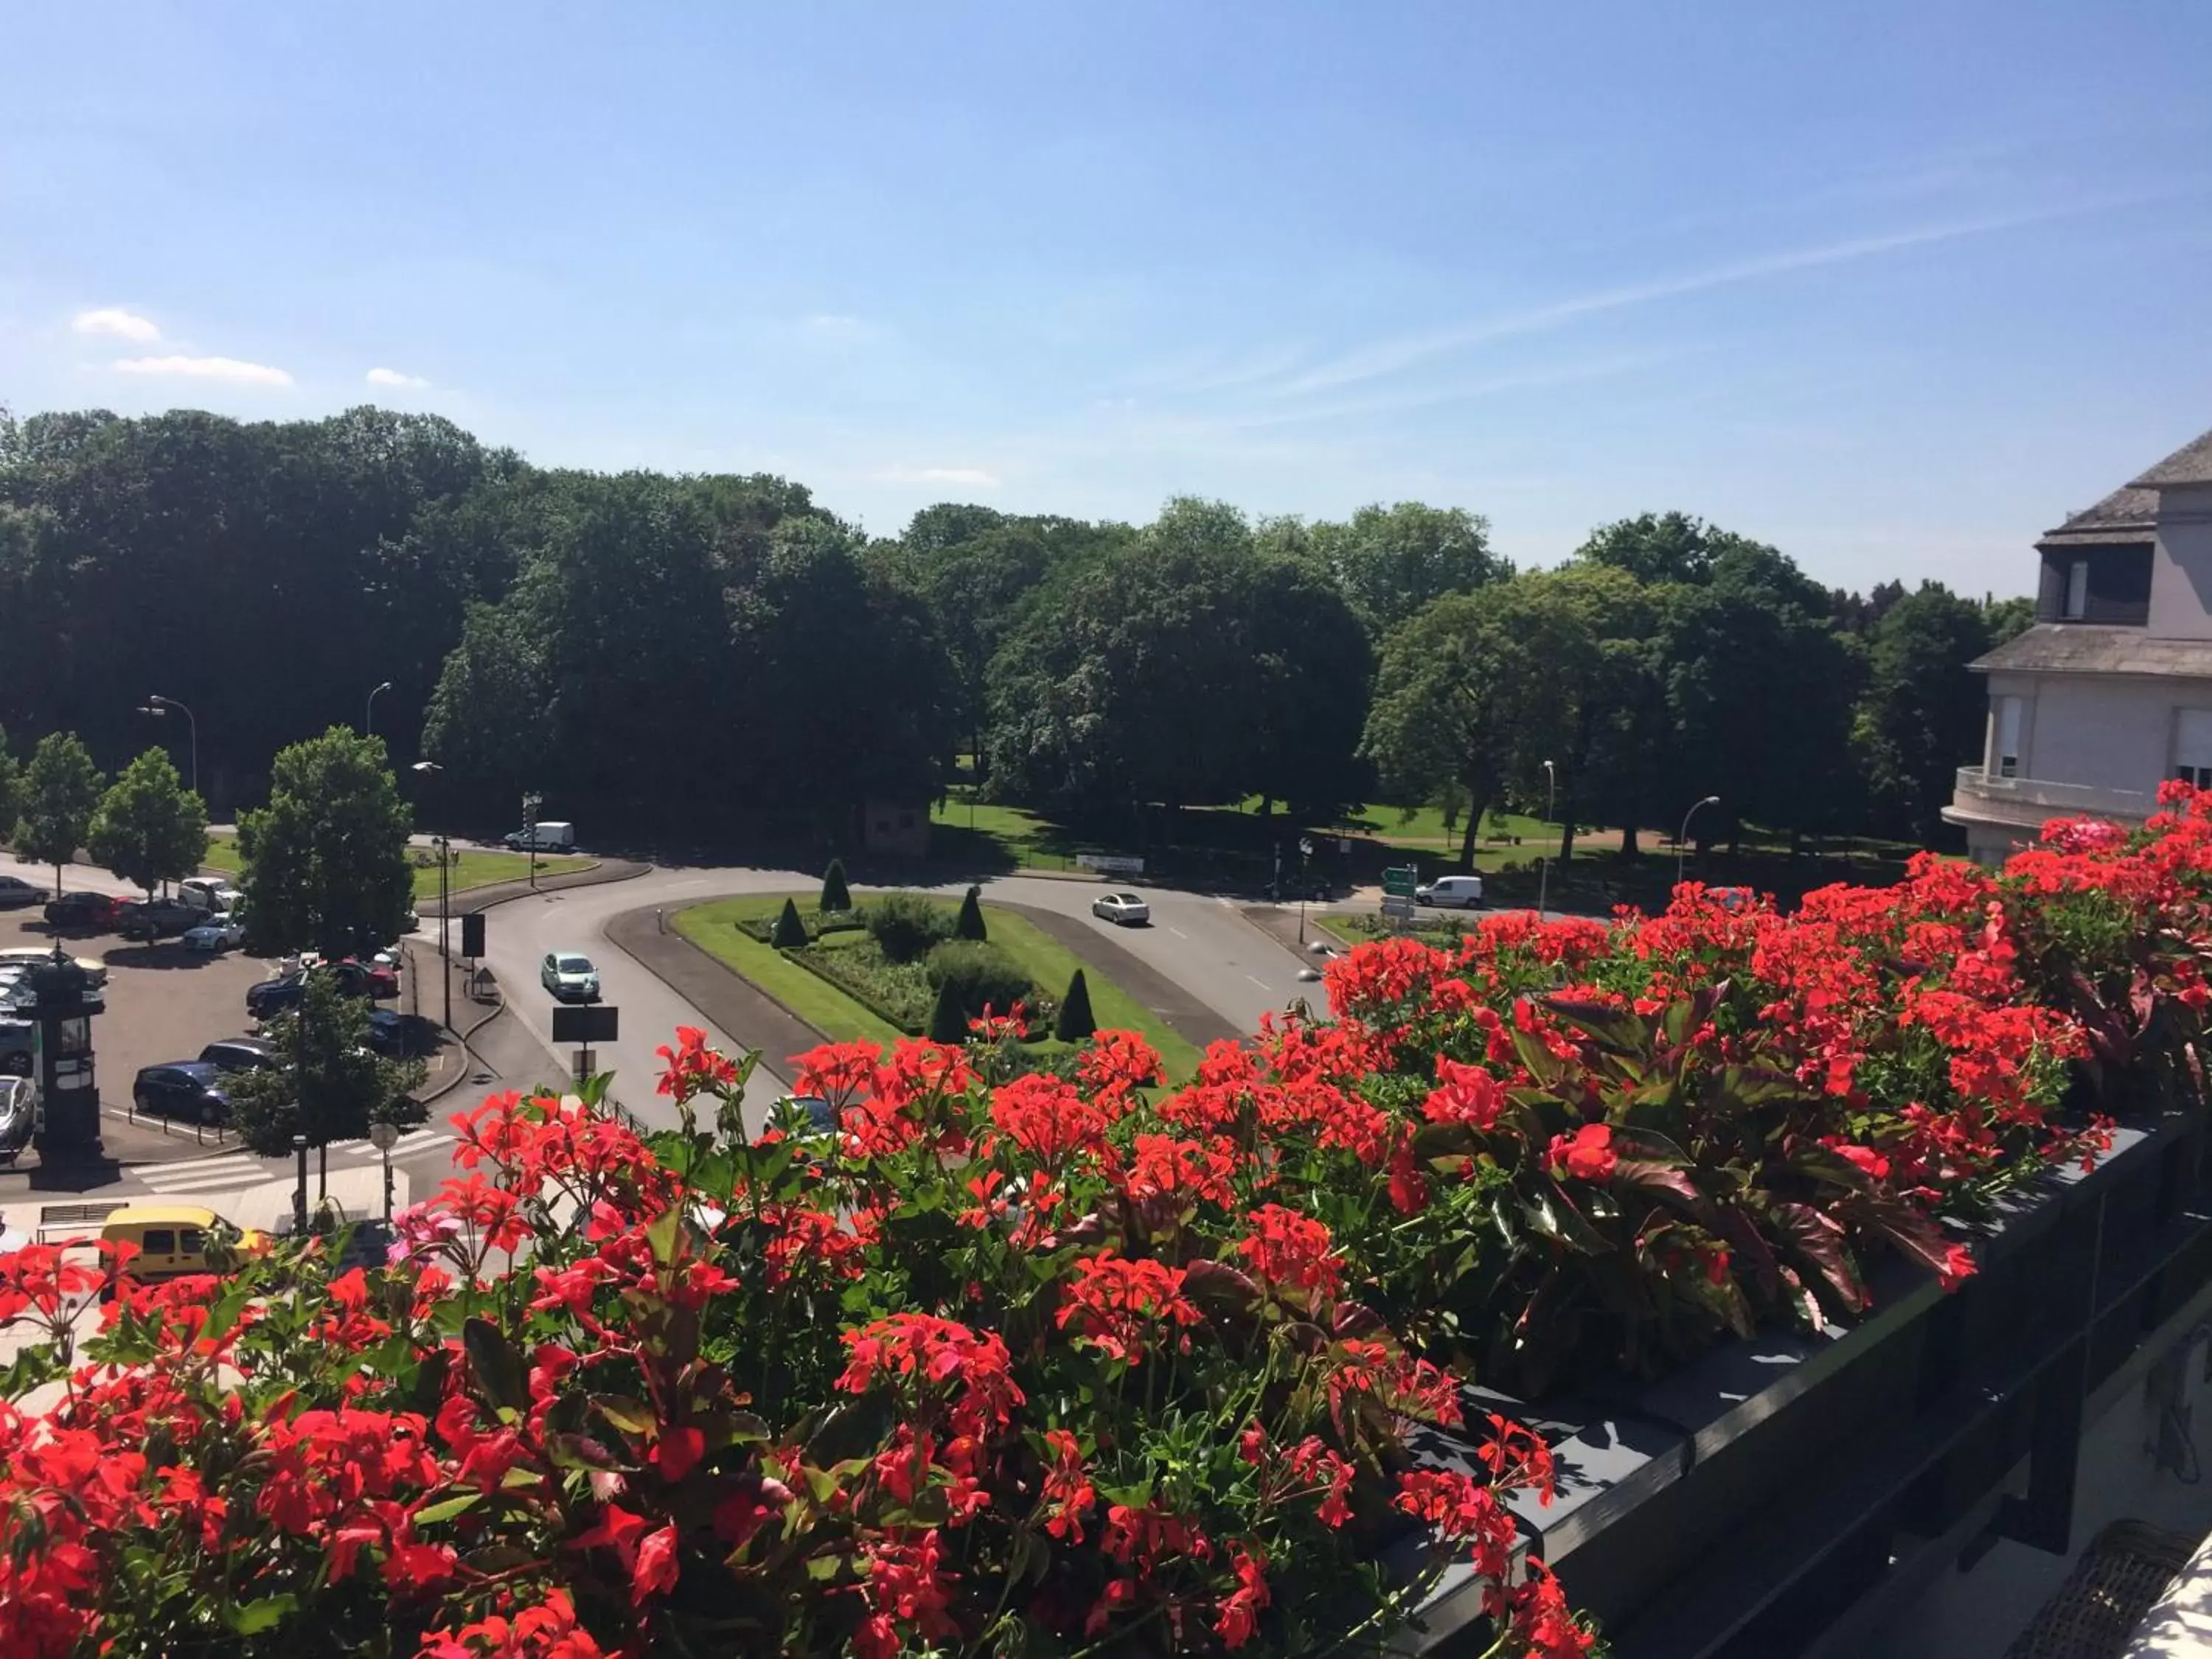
pixel 152 919
pixel 17 894
pixel 396 1036
pixel 241 1055
pixel 81 913
pixel 354 979
pixel 18 1042
pixel 188 1088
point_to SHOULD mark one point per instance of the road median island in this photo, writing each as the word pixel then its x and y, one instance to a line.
pixel 1124 992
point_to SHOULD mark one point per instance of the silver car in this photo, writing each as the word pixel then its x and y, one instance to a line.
pixel 218 932
pixel 1123 909
pixel 570 977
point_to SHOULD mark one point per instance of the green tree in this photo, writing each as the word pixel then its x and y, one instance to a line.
pixel 60 793
pixel 1479 689
pixel 2006 619
pixel 325 860
pixel 969 924
pixel 11 788
pixel 489 722
pixel 327 1084
pixel 790 932
pixel 1391 561
pixel 1923 712
pixel 836 895
pixel 148 828
pixel 1074 1023
pixel 1662 547
pixel 948 1020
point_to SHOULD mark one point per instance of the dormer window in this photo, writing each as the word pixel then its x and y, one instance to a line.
pixel 2077 590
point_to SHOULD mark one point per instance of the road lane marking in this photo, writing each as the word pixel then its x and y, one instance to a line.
pixel 1257 981
pixel 1178 933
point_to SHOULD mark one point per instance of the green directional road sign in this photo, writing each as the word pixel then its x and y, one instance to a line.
pixel 1398 880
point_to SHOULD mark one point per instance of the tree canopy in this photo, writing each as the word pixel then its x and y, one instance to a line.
pixel 60 793
pixel 326 862
pixel 148 828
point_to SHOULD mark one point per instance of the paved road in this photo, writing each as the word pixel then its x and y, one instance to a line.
pixel 1201 944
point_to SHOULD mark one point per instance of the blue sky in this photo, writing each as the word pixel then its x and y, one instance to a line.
pixel 1893 286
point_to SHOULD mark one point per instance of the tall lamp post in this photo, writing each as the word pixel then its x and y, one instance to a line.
pixel 530 802
pixel 1544 869
pixel 384 1137
pixel 1305 852
pixel 157 706
pixel 1682 838
pixel 368 712
pixel 445 846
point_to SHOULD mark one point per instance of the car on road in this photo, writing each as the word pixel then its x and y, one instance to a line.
pixel 1451 892
pixel 546 835
pixel 1123 909
pixel 17 894
pixel 190 1091
pixel 152 919
pixel 27 956
pixel 215 931
pixel 570 977
pixel 82 913
pixel 170 1239
pixel 242 1054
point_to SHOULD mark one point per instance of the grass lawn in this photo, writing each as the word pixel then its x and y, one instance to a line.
pixel 470 869
pixel 829 1011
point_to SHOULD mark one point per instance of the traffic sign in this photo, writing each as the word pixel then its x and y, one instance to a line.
pixel 1398 911
pixel 1399 879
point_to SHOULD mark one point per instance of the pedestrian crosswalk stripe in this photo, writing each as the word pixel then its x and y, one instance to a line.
pixel 208 1174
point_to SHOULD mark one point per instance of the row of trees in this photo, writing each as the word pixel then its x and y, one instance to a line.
pixel 578 635
pixel 145 826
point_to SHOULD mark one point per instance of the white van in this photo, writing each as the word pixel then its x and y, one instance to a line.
pixel 209 893
pixel 547 835
pixel 1451 892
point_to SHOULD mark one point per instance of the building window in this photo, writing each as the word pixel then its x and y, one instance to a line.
pixel 2192 746
pixel 2077 590
pixel 2004 746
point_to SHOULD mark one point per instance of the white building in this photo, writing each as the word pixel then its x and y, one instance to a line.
pixel 2111 691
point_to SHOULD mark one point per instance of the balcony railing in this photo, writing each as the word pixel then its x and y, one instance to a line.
pixel 1979 794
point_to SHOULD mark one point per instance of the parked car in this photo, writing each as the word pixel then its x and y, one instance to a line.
pixel 1451 892
pixel 392 1034
pixel 215 931
pixel 17 894
pixel 17 1039
pixel 209 893
pixel 271 997
pixel 27 956
pixel 22 1114
pixel 1124 909
pixel 570 977
pixel 546 835
pixel 242 1054
pixel 190 1089
pixel 82 913
pixel 152 919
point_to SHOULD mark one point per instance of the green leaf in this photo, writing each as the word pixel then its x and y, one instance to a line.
pixel 447 1508
pixel 1619 1030
pixel 661 1235
pixel 498 1367
pixel 255 1617
pixel 631 1416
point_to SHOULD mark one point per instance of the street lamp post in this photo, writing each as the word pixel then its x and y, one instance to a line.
pixel 1684 836
pixel 1305 852
pixel 368 713
pixel 445 846
pixel 1544 868
pixel 384 1137
pixel 300 1191
pixel 530 802
pixel 157 706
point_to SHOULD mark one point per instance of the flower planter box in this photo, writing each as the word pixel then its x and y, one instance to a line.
pixel 1737 1507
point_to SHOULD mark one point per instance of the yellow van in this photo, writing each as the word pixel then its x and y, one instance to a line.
pixel 172 1238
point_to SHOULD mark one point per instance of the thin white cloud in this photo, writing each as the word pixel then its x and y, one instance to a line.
pixel 393 378
pixel 830 326
pixel 110 319
pixel 969 477
pixel 205 368
pixel 1389 357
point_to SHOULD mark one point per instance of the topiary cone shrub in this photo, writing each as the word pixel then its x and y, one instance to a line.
pixel 790 932
pixel 970 923
pixel 948 1020
pixel 835 896
pixel 1075 1023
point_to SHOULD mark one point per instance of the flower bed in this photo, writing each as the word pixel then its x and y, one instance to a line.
pixel 1087 1366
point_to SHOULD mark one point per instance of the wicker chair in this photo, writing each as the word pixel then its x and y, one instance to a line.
pixel 2125 1570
